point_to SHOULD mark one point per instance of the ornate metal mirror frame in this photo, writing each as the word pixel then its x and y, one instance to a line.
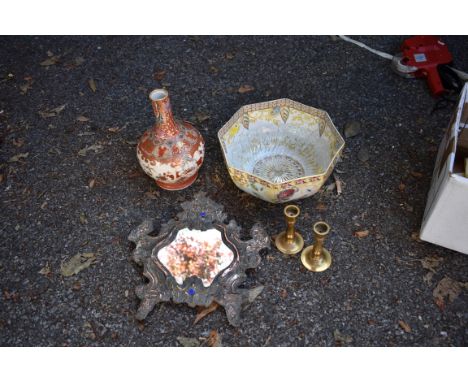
pixel 197 259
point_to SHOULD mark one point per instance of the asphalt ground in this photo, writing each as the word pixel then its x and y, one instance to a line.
pixel 58 201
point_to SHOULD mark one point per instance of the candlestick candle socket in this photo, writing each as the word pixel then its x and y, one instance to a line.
pixel 314 257
pixel 290 241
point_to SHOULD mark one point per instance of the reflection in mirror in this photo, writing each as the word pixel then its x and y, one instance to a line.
pixel 196 253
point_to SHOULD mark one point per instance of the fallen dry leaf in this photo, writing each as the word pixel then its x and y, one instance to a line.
pixel 2 177
pixel 92 85
pixel 78 61
pixel 427 278
pixel 408 207
pixel 361 234
pixel 57 110
pixel 52 112
pixel 134 174
pixel 217 180
pixel 88 331
pixel 188 342
pixel 77 263
pixel 447 288
pixel 159 75
pixel 46 114
pixel 214 69
pixel 321 207
pixel 18 142
pixel 95 148
pixel 18 157
pixel 404 326
pixel 440 303
pixel 229 55
pixel 52 60
pixel 339 185
pixel 214 339
pixel 416 174
pixel 205 311
pixel 201 117
pixel 83 219
pixel 154 194
pixel 26 86
pixel 352 129
pixel 114 129
pixel 82 118
pixel 14 296
pixel 92 183
pixel 54 151
pixel 431 262
pixel 415 237
pixel 401 186
pixel 45 271
pixel 341 339
pixel 76 286
pixel 245 89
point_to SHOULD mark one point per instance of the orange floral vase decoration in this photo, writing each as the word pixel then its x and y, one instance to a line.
pixel 172 151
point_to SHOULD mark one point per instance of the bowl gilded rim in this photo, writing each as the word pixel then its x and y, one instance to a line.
pixel 278 103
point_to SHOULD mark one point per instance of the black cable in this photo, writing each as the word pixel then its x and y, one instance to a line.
pixel 453 85
pixel 443 102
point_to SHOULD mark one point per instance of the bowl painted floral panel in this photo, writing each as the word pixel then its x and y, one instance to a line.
pixel 280 150
pixel 196 253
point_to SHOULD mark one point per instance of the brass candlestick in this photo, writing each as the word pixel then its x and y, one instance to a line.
pixel 290 242
pixel 316 258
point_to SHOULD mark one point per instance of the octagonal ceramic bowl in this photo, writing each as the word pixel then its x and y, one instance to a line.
pixel 280 150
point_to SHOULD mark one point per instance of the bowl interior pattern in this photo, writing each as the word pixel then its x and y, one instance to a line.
pixel 280 150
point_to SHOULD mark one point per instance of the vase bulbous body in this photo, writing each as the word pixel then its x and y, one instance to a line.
pixel 172 151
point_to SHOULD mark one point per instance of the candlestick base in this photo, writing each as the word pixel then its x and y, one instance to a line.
pixel 313 264
pixel 292 247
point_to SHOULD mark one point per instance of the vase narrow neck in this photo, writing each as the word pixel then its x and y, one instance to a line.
pixel 165 125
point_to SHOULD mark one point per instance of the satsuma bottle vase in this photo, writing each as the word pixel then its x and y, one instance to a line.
pixel 172 151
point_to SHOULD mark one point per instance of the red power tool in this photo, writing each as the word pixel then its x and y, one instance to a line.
pixel 429 57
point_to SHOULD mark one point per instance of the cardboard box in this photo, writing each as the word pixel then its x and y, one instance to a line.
pixel 445 220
